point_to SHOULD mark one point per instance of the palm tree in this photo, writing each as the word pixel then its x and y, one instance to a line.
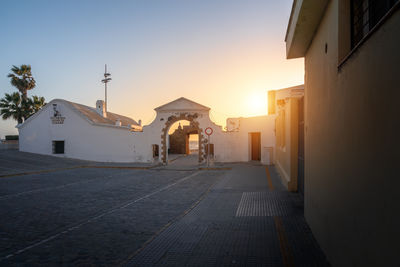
pixel 22 79
pixel 16 107
pixel 37 102
pixel 13 106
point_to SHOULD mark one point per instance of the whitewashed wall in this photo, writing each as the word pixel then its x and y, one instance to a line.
pixel 232 146
pixel 151 134
pixel 239 141
pixel 82 139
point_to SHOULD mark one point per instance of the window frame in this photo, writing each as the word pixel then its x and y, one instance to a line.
pixel 54 147
pixel 353 48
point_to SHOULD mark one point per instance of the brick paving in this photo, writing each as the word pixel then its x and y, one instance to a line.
pixel 14 162
pixel 90 216
pixel 221 232
pixel 155 217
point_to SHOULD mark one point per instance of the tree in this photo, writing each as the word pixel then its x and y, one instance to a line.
pixel 13 106
pixel 36 103
pixel 22 79
pixel 16 107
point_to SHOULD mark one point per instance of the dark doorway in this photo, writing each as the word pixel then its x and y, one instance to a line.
pixel 155 151
pixel 300 169
pixel 255 146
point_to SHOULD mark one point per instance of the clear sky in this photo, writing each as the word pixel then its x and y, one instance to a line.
pixel 224 54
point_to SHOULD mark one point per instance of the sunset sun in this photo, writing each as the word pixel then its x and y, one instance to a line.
pixel 257 103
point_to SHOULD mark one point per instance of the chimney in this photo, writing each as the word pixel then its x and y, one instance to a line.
pixel 101 108
pixel 140 122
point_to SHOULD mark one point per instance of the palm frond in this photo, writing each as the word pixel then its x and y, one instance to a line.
pixel 21 78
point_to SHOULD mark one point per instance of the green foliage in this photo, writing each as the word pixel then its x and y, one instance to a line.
pixel 21 78
pixel 13 106
pixel 36 103
pixel 16 107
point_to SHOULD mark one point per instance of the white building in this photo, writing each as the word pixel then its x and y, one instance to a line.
pixel 72 130
pixel 63 128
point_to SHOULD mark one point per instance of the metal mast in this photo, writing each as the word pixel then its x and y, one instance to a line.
pixel 105 81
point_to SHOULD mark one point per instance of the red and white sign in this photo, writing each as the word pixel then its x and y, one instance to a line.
pixel 208 131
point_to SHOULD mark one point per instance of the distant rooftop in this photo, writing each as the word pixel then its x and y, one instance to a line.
pixel 91 114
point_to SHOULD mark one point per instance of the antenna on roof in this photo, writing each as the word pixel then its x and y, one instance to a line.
pixel 105 81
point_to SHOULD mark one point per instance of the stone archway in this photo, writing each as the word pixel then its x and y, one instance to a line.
pixel 171 120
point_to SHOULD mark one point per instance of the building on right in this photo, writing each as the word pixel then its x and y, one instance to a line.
pixel 287 106
pixel 351 130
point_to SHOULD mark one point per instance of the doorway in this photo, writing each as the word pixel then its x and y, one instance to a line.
pixel 255 146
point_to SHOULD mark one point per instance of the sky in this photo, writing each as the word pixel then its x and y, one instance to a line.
pixel 224 54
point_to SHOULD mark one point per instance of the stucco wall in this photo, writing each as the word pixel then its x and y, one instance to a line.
pixel 232 146
pixel 287 155
pixel 351 143
pixel 82 139
pixel 266 126
pixel 228 146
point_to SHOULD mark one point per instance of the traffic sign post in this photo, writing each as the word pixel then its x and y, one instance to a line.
pixel 208 131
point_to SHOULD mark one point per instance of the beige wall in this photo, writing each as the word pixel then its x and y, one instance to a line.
pixel 287 142
pixel 352 198
pixel 284 103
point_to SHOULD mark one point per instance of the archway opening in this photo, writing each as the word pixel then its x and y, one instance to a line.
pixel 183 140
pixel 165 137
pixel 194 143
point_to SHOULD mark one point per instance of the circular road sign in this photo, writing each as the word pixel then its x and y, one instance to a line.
pixel 208 131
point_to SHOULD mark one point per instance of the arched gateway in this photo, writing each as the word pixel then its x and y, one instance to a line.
pixel 109 137
pixel 156 133
pixel 171 120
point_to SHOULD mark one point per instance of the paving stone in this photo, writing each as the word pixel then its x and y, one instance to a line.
pixel 160 217
pixel 225 239
pixel 106 240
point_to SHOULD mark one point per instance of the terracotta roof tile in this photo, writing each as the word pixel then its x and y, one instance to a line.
pixel 92 115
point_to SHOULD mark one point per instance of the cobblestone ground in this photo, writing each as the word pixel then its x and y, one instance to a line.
pixel 247 219
pixel 152 217
pixel 13 161
pixel 90 216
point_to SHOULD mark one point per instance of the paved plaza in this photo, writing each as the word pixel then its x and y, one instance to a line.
pixel 68 212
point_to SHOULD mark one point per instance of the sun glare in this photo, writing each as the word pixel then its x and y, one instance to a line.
pixel 257 103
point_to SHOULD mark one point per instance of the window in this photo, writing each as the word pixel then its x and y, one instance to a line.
pixel 58 147
pixel 365 14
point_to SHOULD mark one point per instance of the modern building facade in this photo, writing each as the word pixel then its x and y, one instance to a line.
pixel 352 77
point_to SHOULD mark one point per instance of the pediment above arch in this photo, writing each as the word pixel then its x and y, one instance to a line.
pixel 182 105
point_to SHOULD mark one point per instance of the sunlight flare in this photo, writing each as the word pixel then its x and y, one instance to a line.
pixel 257 103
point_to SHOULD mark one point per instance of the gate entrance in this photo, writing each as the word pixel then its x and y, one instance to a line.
pixel 175 144
pixel 183 139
